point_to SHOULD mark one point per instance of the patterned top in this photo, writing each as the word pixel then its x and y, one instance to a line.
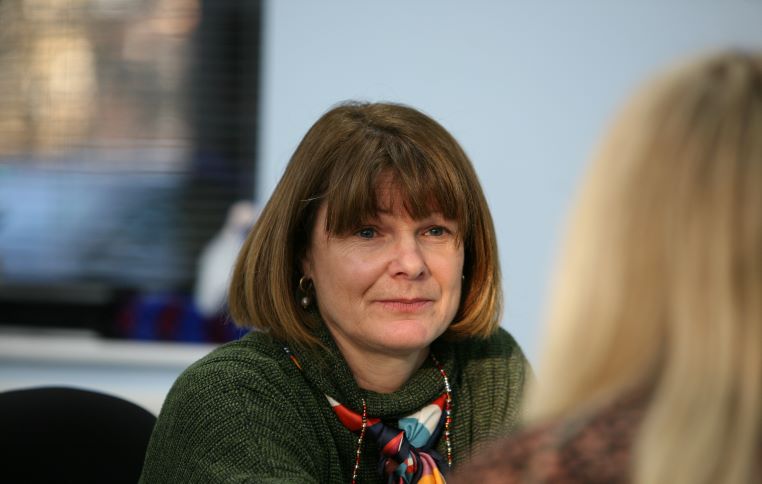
pixel 246 413
pixel 592 450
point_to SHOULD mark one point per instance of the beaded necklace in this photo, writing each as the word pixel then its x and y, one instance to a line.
pixel 360 440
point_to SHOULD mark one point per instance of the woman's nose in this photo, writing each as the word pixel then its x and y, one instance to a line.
pixel 407 258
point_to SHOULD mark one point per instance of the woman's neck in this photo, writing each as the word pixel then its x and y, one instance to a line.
pixel 380 372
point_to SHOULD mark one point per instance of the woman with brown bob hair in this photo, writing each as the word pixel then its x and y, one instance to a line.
pixel 372 282
pixel 652 371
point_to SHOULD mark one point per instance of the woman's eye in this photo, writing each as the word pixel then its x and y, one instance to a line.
pixel 366 233
pixel 437 231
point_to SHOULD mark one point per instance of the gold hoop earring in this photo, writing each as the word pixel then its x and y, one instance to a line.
pixel 305 288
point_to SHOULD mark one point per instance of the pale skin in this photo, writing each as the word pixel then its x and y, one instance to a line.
pixel 387 290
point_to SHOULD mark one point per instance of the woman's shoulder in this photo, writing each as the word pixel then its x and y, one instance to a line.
pixel 492 375
pixel 242 410
pixel 253 363
pixel 500 340
pixel 497 350
pixel 254 348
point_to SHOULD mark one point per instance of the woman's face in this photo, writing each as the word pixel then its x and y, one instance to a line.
pixel 391 287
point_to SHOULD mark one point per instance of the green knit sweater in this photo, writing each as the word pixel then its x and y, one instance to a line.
pixel 246 413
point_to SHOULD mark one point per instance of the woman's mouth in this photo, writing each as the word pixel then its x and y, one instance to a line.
pixel 403 305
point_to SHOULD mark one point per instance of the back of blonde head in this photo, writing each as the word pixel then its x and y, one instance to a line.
pixel 660 285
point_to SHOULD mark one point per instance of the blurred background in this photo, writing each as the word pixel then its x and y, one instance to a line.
pixel 138 138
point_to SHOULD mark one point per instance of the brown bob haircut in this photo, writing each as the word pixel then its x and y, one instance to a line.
pixel 338 163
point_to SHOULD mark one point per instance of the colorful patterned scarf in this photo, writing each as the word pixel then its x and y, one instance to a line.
pixel 407 451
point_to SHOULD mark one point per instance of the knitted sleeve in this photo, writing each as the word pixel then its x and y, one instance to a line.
pixel 226 421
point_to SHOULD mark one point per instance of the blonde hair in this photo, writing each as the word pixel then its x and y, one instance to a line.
pixel 660 286
pixel 339 163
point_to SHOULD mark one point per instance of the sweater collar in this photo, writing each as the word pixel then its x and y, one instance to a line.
pixel 327 370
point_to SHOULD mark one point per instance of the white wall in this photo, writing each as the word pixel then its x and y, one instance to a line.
pixel 525 87
pixel 140 372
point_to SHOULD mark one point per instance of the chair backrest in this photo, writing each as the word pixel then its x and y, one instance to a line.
pixel 55 434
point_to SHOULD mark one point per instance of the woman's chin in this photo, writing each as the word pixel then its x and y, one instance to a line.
pixel 408 336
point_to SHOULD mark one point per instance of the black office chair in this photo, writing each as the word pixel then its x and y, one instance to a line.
pixel 68 435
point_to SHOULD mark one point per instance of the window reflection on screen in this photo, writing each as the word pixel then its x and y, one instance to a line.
pixel 125 134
